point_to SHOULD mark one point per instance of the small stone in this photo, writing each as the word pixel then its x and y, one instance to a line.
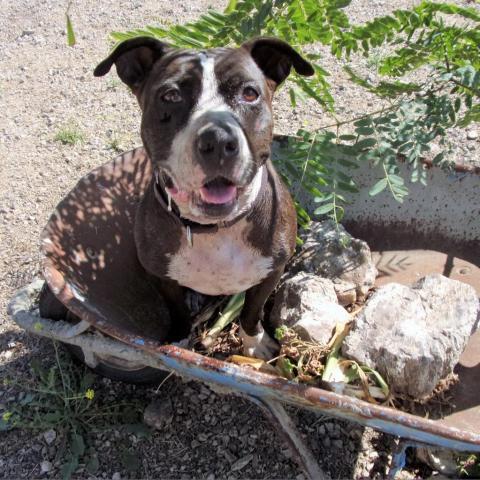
pixel 472 134
pixel 337 444
pixel 414 336
pixel 116 476
pixel 241 463
pixel 50 436
pixel 327 442
pixel 346 292
pixel 45 466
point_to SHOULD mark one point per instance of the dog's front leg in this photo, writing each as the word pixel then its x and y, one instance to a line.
pixel 174 296
pixel 256 341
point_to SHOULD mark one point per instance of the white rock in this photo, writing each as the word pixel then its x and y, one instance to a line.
pixel 50 436
pixel 472 134
pixel 308 304
pixel 414 336
pixel 45 467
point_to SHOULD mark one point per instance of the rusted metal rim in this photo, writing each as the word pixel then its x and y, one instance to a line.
pixel 262 384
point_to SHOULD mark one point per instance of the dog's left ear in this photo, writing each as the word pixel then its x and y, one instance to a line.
pixel 276 58
pixel 134 59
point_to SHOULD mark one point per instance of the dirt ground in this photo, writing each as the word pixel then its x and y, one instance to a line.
pixel 46 86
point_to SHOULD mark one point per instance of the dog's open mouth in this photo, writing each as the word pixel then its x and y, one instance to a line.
pixel 218 191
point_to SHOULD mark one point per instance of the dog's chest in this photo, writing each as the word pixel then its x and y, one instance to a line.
pixel 221 263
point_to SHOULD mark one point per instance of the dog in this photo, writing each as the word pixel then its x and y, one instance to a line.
pixel 216 217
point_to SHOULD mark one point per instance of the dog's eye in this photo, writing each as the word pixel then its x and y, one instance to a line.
pixel 249 94
pixel 172 96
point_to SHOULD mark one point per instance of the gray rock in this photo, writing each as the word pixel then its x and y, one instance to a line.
pixel 439 459
pixel 308 304
pixel 330 252
pixel 414 335
pixel 159 413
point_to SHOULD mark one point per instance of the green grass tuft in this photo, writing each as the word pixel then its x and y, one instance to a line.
pixel 69 135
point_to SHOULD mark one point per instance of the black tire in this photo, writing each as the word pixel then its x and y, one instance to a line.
pixel 50 307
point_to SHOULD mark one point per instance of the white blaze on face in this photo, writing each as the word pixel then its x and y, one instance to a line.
pixel 210 99
pixel 187 174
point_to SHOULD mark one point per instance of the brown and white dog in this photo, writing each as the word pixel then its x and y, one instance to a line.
pixel 216 218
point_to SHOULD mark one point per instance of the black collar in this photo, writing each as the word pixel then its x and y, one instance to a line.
pixel 192 227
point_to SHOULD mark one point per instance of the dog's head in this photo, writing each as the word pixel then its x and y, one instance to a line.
pixel 207 117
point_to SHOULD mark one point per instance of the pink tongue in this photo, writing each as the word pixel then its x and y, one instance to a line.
pixel 218 195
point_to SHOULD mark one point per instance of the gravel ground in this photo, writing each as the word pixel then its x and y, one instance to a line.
pixel 46 86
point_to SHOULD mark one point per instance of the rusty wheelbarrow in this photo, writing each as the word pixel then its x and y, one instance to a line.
pixel 110 311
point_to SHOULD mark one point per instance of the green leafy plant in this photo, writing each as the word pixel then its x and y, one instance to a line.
pixel 439 37
pixel 62 397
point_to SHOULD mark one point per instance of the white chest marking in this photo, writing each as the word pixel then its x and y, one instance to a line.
pixel 219 264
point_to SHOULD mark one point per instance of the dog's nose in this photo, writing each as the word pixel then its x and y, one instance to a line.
pixel 217 142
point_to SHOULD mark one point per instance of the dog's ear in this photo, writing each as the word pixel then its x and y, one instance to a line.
pixel 276 58
pixel 133 59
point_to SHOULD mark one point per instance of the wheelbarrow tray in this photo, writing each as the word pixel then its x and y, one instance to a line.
pixel 90 264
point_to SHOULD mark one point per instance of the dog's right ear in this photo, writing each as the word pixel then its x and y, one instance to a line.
pixel 133 59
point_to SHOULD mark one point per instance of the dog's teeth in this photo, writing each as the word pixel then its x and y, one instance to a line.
pixel 169 201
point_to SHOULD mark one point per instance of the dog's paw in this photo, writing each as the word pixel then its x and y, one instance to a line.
pixel 260 345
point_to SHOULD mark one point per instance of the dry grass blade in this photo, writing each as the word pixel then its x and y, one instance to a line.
pixel 332 372
pixel 256 363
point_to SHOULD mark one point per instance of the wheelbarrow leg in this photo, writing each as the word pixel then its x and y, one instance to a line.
pixel 399 458
pixel 275 412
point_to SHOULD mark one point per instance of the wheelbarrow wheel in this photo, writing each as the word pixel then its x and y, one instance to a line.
pixel 50 307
